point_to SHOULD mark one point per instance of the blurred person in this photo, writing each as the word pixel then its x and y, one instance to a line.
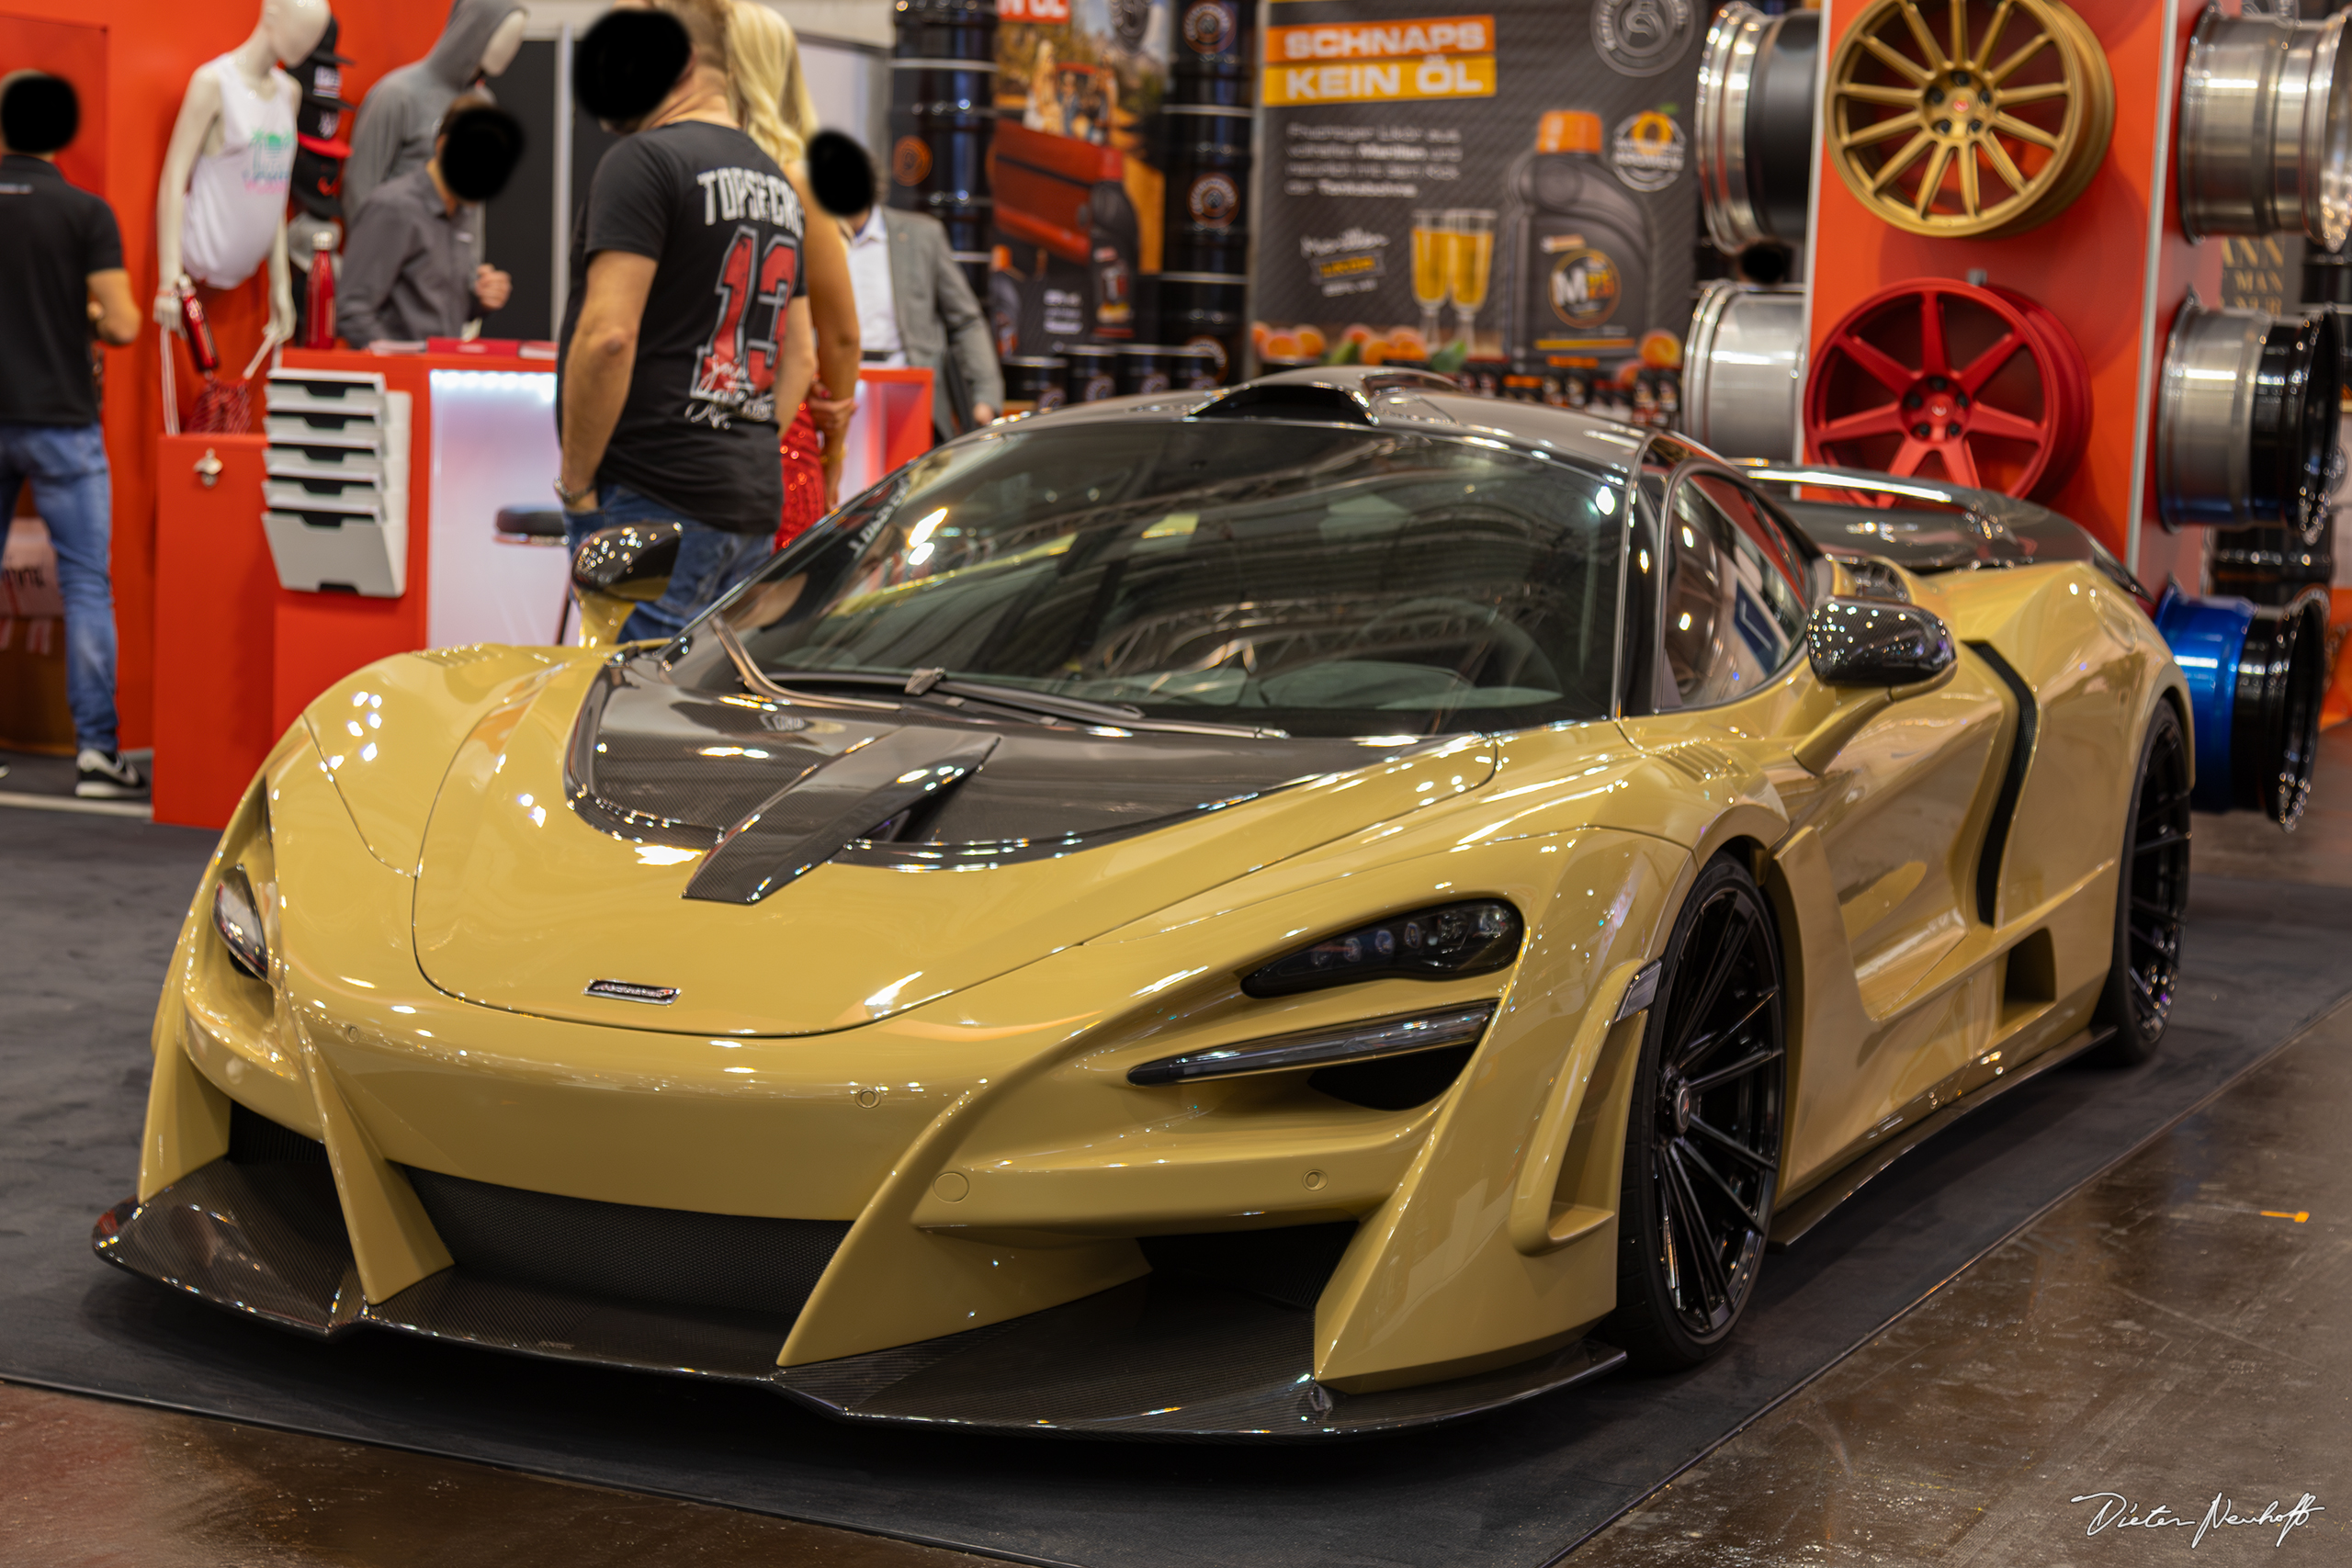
pixel 61 282
pixel 413 266
pixel 396 125
pixel 913 305
pixel 773 102
pixel 689 323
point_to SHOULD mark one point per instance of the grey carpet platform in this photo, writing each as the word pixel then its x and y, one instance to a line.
pixel 90 909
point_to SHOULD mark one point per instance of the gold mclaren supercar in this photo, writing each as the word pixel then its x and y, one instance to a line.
pixel 1298 911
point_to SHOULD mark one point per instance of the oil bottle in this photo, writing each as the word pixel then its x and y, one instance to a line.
pixel 1579 245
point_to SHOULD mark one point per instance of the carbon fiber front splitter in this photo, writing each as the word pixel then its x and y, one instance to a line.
pixel 1164 1358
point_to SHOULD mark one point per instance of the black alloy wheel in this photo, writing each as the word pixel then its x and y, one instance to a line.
pixel 2151 898
pixel 1702 1143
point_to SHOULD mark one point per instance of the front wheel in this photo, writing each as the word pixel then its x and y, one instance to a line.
pixel 1703 1145
pixel 2151 898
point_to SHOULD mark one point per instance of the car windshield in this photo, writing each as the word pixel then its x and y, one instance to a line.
pixel 1311 579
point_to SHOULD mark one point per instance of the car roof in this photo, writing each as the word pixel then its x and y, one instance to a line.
pixel 1417 401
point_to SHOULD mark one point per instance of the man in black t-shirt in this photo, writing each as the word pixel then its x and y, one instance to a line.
pixel 62 278
pixel 687 337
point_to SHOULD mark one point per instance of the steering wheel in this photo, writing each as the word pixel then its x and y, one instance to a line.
pixel 1529 656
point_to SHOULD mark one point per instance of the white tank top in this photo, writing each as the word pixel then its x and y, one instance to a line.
pixel 236 197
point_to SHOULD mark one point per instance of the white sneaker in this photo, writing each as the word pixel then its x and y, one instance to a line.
pixel 107 778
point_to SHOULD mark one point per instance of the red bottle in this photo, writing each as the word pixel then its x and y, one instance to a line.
pixel 318 307
pixel 197 331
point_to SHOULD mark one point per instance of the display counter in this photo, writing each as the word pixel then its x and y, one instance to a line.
pixel 240 653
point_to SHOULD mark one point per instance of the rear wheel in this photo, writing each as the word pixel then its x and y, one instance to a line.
pixel 1703 1145
pixel 2151 898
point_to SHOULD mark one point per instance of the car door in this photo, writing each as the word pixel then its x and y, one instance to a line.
pixel 1899 810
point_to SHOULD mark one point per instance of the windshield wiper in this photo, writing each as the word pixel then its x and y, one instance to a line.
pixel 935 685
pixel 757 679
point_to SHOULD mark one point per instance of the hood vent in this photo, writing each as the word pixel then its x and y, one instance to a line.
pixel 817 816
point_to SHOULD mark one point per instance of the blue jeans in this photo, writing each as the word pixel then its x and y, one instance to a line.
pixel 710 561
pixel 74 492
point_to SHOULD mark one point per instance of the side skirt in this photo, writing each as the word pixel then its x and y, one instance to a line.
pixel 1800 1215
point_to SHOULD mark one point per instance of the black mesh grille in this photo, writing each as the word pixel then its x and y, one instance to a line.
pixel 254 1139
pixel 584 1247
pixel 1290 1264
pixel 1394 1083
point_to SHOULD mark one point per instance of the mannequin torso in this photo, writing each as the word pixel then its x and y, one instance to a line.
pixel 287 29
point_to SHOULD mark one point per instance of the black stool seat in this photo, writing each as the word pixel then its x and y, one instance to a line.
pixel 531 522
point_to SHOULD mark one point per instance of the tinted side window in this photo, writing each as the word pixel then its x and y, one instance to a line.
pixel 1734 604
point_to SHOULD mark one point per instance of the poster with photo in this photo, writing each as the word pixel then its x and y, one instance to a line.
pixel 1506 195
pixel 1076 179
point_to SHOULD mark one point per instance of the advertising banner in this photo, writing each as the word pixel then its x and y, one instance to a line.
pixel 1076 184
pixel 1502 193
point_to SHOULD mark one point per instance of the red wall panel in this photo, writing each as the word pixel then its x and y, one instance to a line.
pixel 149 49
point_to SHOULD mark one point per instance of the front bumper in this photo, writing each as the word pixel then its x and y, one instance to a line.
pixel 1177 1355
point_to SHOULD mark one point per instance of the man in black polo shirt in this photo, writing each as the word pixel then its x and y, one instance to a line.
pixel 688 333
pixel 61 278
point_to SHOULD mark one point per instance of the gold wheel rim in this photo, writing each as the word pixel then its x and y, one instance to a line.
pixel 1968 117
pixel 2093 148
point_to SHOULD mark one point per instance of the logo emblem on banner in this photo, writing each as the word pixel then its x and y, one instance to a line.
pixel 1648 150
pixel 1585 286
pixel 1642 38
pixel 910 160
pixel 1215 201
pixel 1210 26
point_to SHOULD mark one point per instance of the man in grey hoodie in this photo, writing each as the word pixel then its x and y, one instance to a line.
pixel 401 112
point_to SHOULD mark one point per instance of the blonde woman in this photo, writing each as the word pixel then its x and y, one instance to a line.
pixel 772 104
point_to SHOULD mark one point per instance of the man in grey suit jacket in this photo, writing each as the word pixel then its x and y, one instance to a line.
pixel 913 306
pixel 929 312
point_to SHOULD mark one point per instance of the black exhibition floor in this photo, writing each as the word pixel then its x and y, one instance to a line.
pixel 91 906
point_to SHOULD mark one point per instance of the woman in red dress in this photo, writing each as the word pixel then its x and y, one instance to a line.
pixel 811 485
pixel 772 104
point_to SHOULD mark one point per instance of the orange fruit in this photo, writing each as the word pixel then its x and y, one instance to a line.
pixel 1312 342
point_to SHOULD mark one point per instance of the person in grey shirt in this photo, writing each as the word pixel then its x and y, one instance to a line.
pixel 393 134
pixel 413 269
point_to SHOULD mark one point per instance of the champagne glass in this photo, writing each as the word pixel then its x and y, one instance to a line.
pixel 1472 248
pixel 1432 270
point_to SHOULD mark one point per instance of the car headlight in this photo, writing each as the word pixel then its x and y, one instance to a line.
pixel 1445 942
pixel 236 915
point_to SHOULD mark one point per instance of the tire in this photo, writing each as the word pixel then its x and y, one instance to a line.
pixel 2151 898
pixel 1694 1104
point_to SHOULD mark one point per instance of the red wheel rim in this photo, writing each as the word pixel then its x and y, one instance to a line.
pixel 1943 380
pixel 2074 389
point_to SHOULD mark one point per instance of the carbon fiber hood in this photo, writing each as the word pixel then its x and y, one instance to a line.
pixel 733 851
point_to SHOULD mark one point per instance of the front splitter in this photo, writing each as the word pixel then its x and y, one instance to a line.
pixel 1166 1358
